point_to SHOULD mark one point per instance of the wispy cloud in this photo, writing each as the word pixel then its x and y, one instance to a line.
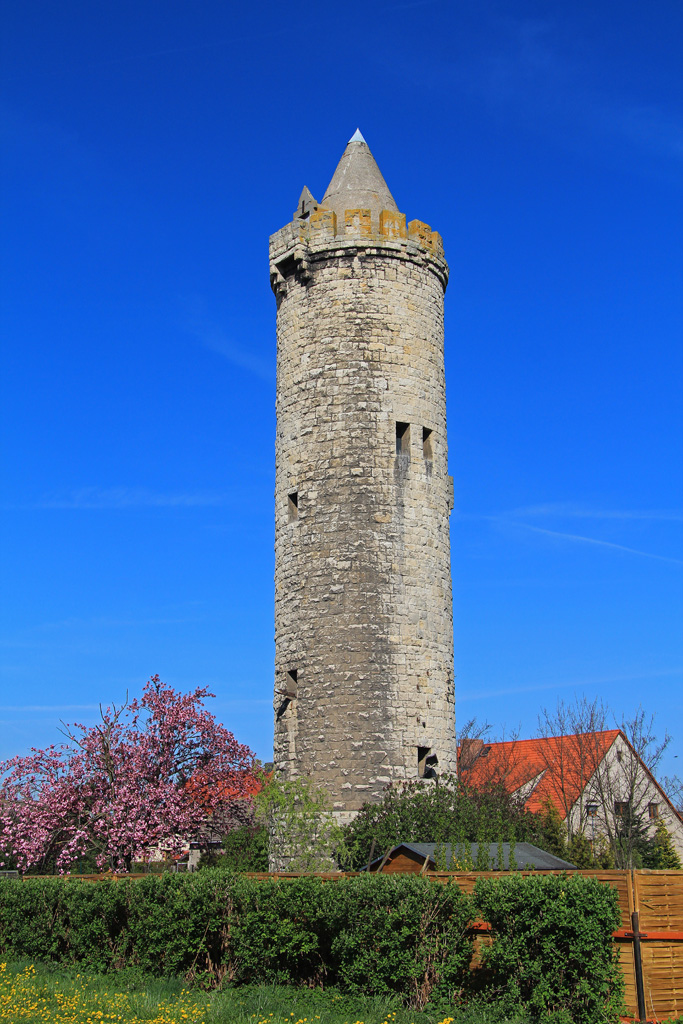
pixel 244 702
pixel 509 691
pixel 121 498
pixel 52 708
pixel 214 336
pixel 410 6
pixel 172 51
pixel 570 684
pixel 649 126
pixel 572 510
pixel 580 539
pixel 97 623
pixel 559 511
pixel 553 80
pixel 541 73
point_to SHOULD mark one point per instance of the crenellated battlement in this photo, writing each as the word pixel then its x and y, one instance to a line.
pixel 319 230
pixel 320 224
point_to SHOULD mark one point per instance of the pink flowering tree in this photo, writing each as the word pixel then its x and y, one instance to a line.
pixel 148 773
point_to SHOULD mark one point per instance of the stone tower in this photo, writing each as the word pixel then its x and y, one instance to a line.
pixel 363 607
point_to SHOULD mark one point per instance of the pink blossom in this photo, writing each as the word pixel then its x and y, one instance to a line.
pixel 149 773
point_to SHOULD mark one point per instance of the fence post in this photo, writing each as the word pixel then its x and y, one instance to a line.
pixel 638 962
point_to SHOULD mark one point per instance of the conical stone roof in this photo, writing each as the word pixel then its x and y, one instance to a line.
pixel 357 183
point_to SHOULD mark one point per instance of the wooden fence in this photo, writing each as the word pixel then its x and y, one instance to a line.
pixel 656 898
pixel 651 931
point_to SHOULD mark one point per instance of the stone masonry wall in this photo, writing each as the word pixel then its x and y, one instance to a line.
pixel 363 606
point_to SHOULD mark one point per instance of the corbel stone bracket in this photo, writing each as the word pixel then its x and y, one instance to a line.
pixel 277 282
pixel 295 259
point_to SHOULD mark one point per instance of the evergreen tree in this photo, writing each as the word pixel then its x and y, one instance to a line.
pixel 552 830
pixel 664 856
pixel 634 847
pixel 579 851
pixel 603 857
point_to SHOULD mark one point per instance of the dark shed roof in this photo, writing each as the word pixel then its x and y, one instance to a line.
pixel 526 855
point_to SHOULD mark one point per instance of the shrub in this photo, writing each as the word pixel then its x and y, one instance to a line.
pixel 389 934
pixel 443 812
pixel 300 819
pixel 400 938
pixel 553 832
pixel 385 935
pixel 580 851
pixel 552 948
pixel 244 849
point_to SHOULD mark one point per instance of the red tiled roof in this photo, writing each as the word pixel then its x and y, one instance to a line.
pixel 246 785
pixel 557 764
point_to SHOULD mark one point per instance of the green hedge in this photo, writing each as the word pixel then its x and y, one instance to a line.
pixel 391 934
pixel 382 935
pixel 552 950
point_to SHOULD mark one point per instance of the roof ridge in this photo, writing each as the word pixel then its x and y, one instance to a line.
pixel 549 739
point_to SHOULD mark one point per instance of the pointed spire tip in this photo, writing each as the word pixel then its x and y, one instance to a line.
pixel 357 183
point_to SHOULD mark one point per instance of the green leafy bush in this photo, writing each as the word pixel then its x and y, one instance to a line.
pixel 553 832
pixel 580 851
pixel 399 936
pixel 444 812
pixel 403 939
pixel 299 814
pixel 552 950
pixel 243 849
pixel 390 934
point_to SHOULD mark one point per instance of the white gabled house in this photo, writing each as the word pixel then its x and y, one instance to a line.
pixel 596 780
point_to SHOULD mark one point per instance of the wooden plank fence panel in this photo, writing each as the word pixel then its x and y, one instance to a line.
pixel 659 900
pixel 663 978
pixel 627 964
pixel 659 895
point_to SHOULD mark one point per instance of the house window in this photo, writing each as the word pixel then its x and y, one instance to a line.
pixel 403 439
pixel 293 505
pixel 620 808
pixel 653 811
pixel 591 810
pixel 427 449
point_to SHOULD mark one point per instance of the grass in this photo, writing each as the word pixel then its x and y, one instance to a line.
pixel 38 995
pixel 42 994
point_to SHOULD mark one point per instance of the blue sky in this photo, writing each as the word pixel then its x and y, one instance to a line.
pixel 150 150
